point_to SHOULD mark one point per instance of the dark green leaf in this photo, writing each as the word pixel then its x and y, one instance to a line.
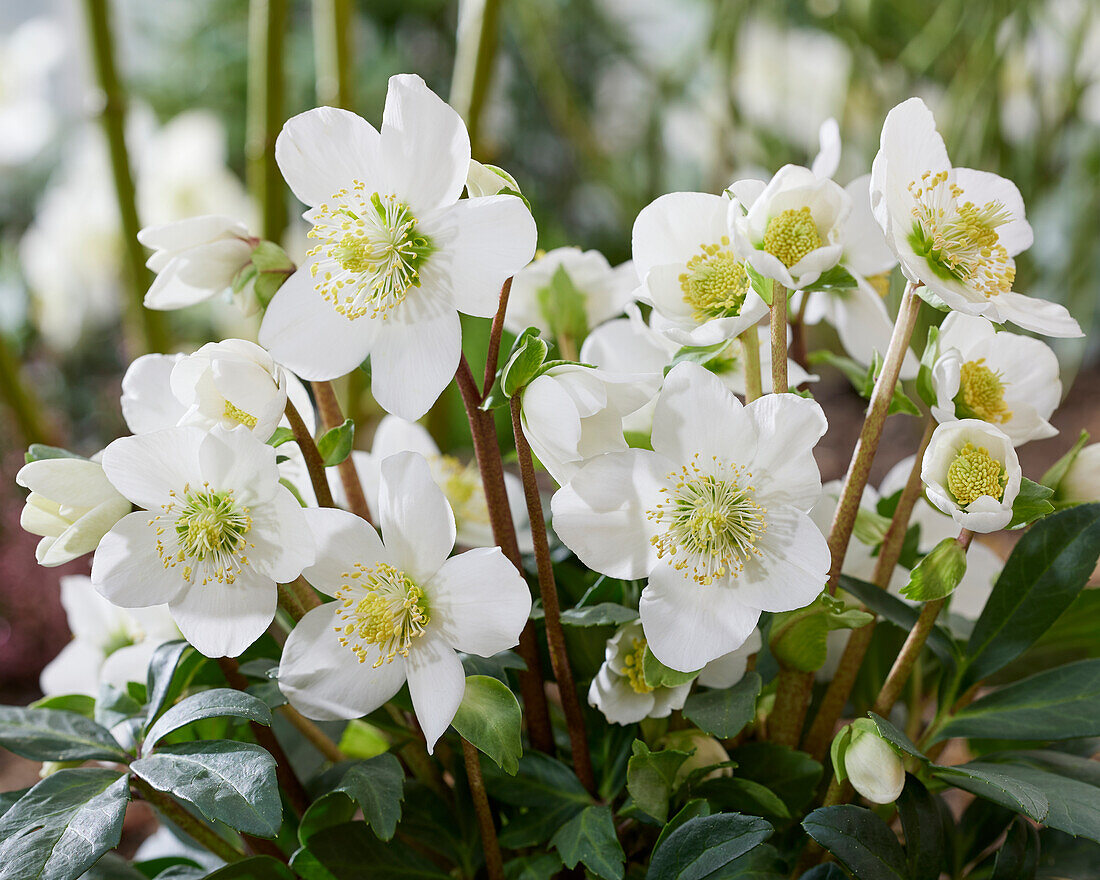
pixel 691 810
pixel 590 838
pixel 1032 503
pixel 603 614
pixel 703 846
pixel 923 826
pixel 543 866
pixel 860 840
pixel 790 774
pixel 59 828
pixel 759 863
pixel 989 782
pixel 541 782
pixel 55 735
pixel 335 444
pixel 377 786
pixel 828 871
pixel 214 703
pixel 651 777
pixel 255 868
pixel 1048 568
pixel 896 738
pixel 937 575
pixel 229 781
pixel 656 674
pixel 898 612
pixel 729 794
pixel 489 718
pixel 725 712
pixel 8 799
pixel 1018 859
pixel 352 852
pixel 113 706
pixel 162 668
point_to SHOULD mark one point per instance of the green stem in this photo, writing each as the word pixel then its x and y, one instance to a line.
pixel 24 405
pixel 779 338
pixel 475 50
pixel 494 862
pixel 266 32
pixel 146 328
pixel 750 344
pixel 332 27
pixel 192 827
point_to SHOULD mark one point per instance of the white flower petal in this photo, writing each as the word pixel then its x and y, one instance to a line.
pixel 617 700
pixel 342 540
pixel 436 685
pixel 792 567
pixel 789 427
pixel 416 521
pixel 697 414
pixel 221 620
pixel 70 481
pixel 75 670
pixel 672 229
pixel 147 401
pixel 1037 315
pixel 145 468
pixel 324 150
pixel 480 602
pixel 981 187
pixel 126 569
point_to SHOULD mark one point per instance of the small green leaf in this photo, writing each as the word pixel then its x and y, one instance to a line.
pixel 81 704
pixel 1031 504
pixel 562 306
pixel 590 838
pixel 834 279
pixel 280 436
pixel 54 735
pixel 900 402
pixel 352 852
pixel 269 257
pixel 40 452
pixel 798 639
pixel 761 286
pixel 656 674
pixel 378 787
pixel 692 809
pixel 602 614
pixel 526 359
pixel 937 575
pixel 701 355
pixel 860 840
pixel 335 444
pixel 113 706
pixel 703 846
pixel 489 718
pixel 213 703
pixel 651 777
pixel 732 794
pixel 925 388
pixel 724 712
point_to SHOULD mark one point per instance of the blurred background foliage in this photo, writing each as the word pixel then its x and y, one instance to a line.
pixel 595 106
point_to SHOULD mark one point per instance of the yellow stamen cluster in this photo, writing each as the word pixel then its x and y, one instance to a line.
pixel 632 667
pixel 383 611
pixel 714 282
pixel 461 484
pixel 239 415
pixel 203 531
pixel 370 252
pixel 791 234
pixel 709 520
pixel 975 473
pixel 958 238
pixel 982 393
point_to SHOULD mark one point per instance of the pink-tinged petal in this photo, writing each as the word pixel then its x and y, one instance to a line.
pixel 436 685
pixel 324 150
pixel 417 524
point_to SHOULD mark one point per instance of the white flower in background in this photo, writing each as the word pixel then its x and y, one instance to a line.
pixel 196 259
pixel 397 254
pixel 970 472
pixel 216 533
pixel 72 505
pixel 571 413
pixel 714 516
pixel 791 230
pixel 619 689
pixel 402 608
pixel 28 55
pixel 110 645
pixel 665 36
pixel 873 767
pixel 1081 484
pixel 567 291
pixel 460 482
pixel 1006 379
pixel 955 230
pixel 698 288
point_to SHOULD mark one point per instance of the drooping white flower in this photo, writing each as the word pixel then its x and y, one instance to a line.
pixel 110 645
pixel 699 289
pixel 1081 484
pixel 196 259
pixel 397 255
pixel 970 471
pixel 955 230
pixel 619 689
pixel 402 607
pixel 571 413
pixel 567 291
pixel 873 767
pixel 461 483
pixel 714 516
pixel 215 534
pixel 791 228
pixel 72 505
pixel 1006 379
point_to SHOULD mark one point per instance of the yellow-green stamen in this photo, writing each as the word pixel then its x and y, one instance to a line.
pixel 982 393
pixel 383 610
pixel 204 530
pixel 791 234
pixel 714 282
pixel 239 415
pixel 632 667
pixel 975 473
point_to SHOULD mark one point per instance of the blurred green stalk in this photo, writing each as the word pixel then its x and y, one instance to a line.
pixel 332 24
pixel 146 329
pixel 24 405
pixel 476 45
pixel 267 21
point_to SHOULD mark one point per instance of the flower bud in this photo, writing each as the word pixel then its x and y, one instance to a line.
pixel 869 762
pixel 1081 484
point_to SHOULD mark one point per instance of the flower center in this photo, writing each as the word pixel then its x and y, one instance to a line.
pixel 975 473
pixel 982 393
pixel 715 282
pixel 960 240
pixel 382 608
pixel 370 252
pixel 632 667
pixel 204 530
pixel 709 519
pixel 239 415
pixel 791 234
pixel 461 484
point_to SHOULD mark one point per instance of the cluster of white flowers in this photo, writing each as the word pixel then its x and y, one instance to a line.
pixel 663 472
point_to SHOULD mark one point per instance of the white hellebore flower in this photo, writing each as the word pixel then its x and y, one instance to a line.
pixel 216 533
pixel 461 483
pixel 567 291
pixel 874 767
pixel 402 607
pixel 397 255
pixel 791 230
pixel 571 413
pixel 730 668
pixel 714 516
pixel 110 645
pixel 955 230
pixel 970 472
pixel 1081 484
pixel 195 260
pixel 72 505
pixel 699 289
pixel 619 689
pixel 1006 379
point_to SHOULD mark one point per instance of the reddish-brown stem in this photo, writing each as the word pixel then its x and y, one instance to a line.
pixel 491 467
pixel 548 590
pixel 332 417
pixel 314 463
pixel 494 863
pixel 792 697
pixel 492 356
pixel 779 338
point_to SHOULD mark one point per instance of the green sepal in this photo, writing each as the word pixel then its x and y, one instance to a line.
pixel 524 362
pixel 1031 504
pixel 281 435
pixel 761 285
pixel 562 305
pixel 335 444
pixel 656 674
pixel 832 280
pixel 937 575
pixel 41 452
pixel 798 638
